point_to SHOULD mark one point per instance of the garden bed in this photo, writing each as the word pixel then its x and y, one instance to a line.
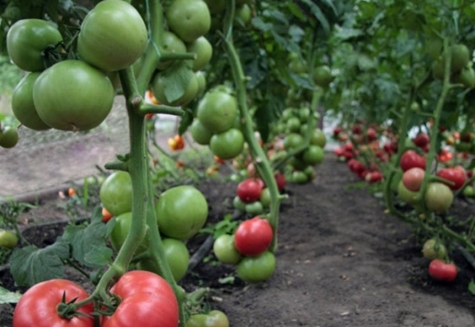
pixel 341 261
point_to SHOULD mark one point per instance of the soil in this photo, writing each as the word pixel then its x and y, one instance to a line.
pixel 341 260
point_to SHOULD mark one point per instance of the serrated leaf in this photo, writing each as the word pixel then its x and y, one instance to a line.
pixel 345 34
pixel 285 42
pixel 31 265
pixel 175 81
pixel 87 238
pixel 301 82
pixel 258 23
pixel 7 296
pixel 98 256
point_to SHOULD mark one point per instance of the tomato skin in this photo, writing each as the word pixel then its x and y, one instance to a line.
pixel 249 190
pixel 411 159
pixel 116 193
pixel 442 271
pixel 199 133
pixel 421 140
pixel 9 137
pixel 413 178
pixel 253 236
pixel 122 225
pixel 203 50
pixel 456 175
pixel 434 249
pixel 293 140
pixel 72 95
pixel 27 39
pixel 8 239
pixel 113 36
pixel 406 195
pixel 254 208
pixel 256 269
pixel 438 197
pixel 38 306
pixel 225 250
pixel 146 300
pixel 214 318
pixel 318 138
pixel 181 212
pixel 313 155
pixel 177 256
pixel 280 180
pixel 23 106
pixel 189 19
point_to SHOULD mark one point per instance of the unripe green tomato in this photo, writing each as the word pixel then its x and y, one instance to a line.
pixel 299 177
pixel 189 19
pixel 116 193
pixel 265 197
pixel 225 251
pixel 171 43
pixel 120 231
pixel 189 93
pixel 434 249
pixel 203 50
pixel 201 78
pixel 238 204
pixel 177 256
pixel 318 138
pixel 228 144
pixel 217 110
pixel 9 137
pixel 254 208
pixel 8 239
pixel 199 133
pixel 256 269
pixel 23 106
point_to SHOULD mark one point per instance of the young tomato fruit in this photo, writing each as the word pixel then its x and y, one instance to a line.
pixel 442 271
pixel 253 236
pixel 39 305
pixel 434 249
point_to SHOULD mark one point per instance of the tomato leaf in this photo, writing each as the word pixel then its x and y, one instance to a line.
pixel 87 239
pixel 9 297
pixel 30 265
pixel 176 79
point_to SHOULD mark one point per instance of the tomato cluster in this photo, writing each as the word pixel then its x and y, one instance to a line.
pixel 218 124
pixel 248 248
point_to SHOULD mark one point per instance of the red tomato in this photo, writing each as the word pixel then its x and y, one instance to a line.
pixel 413 178
pixel 147 300
pixel 455 175
pixel 280 180
pixel 371 134
pixel 253 236
pixel 357 129
pixel 336 131
pixel 421 140
pixel 356 166
pixel 411 159
pixel 374 177
pixel 442 271
pixel 249 190
pixel 38 306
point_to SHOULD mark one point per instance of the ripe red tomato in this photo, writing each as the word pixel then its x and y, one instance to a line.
pixel 253 236
pixel 356 166
pixel 371 134
pixel 456 175
pixel 38 306
pixel 442 271
pixel 413 178
pixel 374 177
pixel 249 190
pixel 147 300
pixel 411 159
pixel 421 140
pixel 280 180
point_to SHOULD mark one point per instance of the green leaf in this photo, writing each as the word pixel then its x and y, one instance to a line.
pixel 9 297
pixel 296 11
pixel 471 287
pixel 317 12
pixel 30 265
pixel 258 23
pixel 345 34
pixel 86 239
pixel 176 80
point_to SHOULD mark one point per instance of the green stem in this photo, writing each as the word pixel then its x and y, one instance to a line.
pixel 262 162
pixel 148 108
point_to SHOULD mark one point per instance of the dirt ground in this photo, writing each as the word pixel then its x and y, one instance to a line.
pixel 341 261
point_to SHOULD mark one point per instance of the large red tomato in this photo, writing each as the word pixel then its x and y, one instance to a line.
pixel 39 305
pixel 249 190
pixel 411 159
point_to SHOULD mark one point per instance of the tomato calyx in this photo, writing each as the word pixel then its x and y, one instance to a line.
pixel 68 310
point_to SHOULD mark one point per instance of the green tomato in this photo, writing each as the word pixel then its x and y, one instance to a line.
pixel 177 256
pixel 237 202
pixel 113 36
pixel 181 212
pixel 121 229
pixel 293 140
pixel 171 43
pixel 242 15
pixel 299 177
pixel 256 269
pixel 438 197
pixel 214 318
pixel 318 138
pixel 313 155
pixel 23 106
pixel 434 249
pixel 322 76
pixel 116 193
pixel 201 77
pixel 216 6
pixel 297 65
pixel 189 19
pixel 199 133
pixel 72 95
pixel 158 90
pixel 217 110
pixel 203 50
pixel 27 39
pixel 225 251
pixel 9 138
pixel 265 197
pixel 228 144
pixel 8 239
pixel 406 195
pixel 254 208
pixel 293 125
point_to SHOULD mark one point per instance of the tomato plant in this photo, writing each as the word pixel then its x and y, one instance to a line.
pixel 42 303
